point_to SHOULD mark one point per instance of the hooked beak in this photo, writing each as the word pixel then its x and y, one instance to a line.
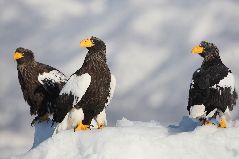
pixel 197 50
pixel 86 43
pixel 17 56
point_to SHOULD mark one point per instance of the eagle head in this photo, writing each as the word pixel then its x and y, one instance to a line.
pixel 93 43
pixel 23 55
pixel 206 50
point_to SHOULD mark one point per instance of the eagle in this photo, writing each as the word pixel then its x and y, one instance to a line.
pixel 87 92
pixel 212 93
pixel 40 84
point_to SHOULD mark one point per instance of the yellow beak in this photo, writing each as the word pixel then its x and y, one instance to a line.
pixel 197 50
pixel 86 43
pixel 17 55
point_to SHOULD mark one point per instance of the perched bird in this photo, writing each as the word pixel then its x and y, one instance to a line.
pixel 212 92
pixel 40 84
pixel 87 92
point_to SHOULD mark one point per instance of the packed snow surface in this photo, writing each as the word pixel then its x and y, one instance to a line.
pixel 141 140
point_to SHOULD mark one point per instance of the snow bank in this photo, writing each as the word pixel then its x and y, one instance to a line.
pixel 141 140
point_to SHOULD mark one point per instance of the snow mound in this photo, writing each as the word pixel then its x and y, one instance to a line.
pixel 141 140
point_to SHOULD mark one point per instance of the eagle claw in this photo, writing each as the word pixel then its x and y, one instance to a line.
pixel 81 126
pixel 222 124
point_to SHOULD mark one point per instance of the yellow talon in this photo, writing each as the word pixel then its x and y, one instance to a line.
pixel 222 124
pixel 207 123
pixel 100 126
pixel 81 126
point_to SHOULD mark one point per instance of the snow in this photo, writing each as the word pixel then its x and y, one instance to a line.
pixel 77 85
pixel 54 76
pixel 141 140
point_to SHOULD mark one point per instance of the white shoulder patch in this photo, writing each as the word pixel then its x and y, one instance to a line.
pixel 228 81
pixel 54 75
pixel 112 89
pixel 197 111
pixel 77 86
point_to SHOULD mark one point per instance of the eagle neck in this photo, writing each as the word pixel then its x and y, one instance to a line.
pixel 23 67
pixel 93 62
pixel 208 62
pixel 95 56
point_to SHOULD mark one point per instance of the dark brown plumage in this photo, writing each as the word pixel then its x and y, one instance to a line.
pixel 97 93
pixel 95 98
pixel 40 83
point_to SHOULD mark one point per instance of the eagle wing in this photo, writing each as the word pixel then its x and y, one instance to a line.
pixel 196 93
pixel 71 94
pixel 210 87
pixel 76 86
pixel 52 81
pixel 112 89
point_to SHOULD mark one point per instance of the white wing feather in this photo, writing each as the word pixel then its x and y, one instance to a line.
pixel 228 81
pixel 77 86
pixel 112 89
pixel 54 76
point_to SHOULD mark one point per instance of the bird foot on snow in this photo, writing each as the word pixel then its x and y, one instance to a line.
pixel 222 124
pixel 100 126
pixel 81 126
pixel 205 122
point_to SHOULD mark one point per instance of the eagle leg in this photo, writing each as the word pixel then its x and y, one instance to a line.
pixel 101 125
pixel 206 122
pixel 40 119
pixel 81 126
pixel 101 119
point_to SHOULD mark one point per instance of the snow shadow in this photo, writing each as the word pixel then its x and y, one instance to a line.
pixel 185 125
pixel 43 131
